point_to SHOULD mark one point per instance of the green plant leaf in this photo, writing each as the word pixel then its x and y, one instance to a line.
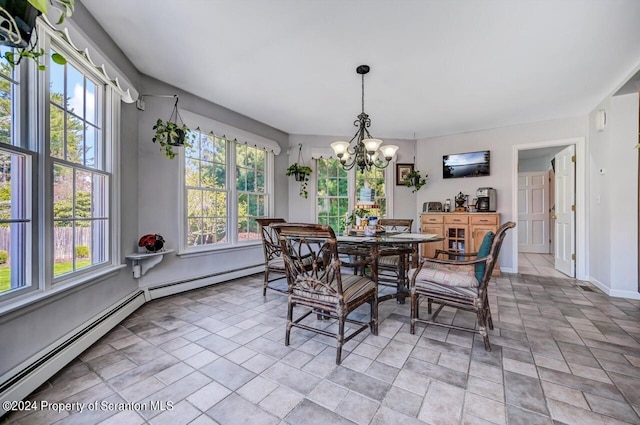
pixel 41 5
pixel 58 58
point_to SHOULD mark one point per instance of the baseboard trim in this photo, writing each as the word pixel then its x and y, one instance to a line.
pixel 173 288
pixel 22 380
pixel 614 292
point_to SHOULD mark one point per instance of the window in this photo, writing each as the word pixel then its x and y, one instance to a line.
pixel 332 193
pixel 337 191
pixel 15 172
pixel 250 179
pixel 57 158
pixel 375 180
pixel 226 186
pixel 80 178
pixel 206 190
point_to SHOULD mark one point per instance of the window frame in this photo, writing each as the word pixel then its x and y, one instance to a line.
pixel 199 123
pixel 351 185
pixel 34 127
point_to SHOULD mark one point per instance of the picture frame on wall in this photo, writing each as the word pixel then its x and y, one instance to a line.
pixel 401 171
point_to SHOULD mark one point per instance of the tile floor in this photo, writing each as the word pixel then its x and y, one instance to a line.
pixel 562 353
pixel 538 265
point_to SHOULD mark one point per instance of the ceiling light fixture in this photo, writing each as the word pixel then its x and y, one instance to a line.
pixel 367 151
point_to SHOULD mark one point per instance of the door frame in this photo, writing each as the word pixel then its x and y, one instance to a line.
pixel 581 205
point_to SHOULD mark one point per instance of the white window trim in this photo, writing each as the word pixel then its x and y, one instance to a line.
pixel 111 107
pixel 320 153
pixel 40 189
pixel 206 126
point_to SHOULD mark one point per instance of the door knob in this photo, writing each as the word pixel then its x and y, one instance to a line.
pixel 555 217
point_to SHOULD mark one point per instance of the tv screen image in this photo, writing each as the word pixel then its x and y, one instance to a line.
pixel 470 164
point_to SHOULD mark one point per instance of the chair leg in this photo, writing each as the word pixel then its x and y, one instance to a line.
pixel 414 312
pixel 340 335
pixel 429 305
pixel 289 323
pixel 488 313
pixel 482 328
pixel 265 283
pixel 373 325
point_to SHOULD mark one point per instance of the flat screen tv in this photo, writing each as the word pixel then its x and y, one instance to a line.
pixel 470 164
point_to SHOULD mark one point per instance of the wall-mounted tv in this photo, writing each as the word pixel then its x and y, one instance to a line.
pixel 470 164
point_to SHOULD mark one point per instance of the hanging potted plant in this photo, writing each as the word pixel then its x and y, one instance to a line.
pixel 19 19
pixel 301 173
pixel 171 133
pixel 415 180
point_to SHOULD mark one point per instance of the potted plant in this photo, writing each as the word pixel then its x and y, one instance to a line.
pixel 21 20
pixel 171 133
pixel 415 180
pixel 301 174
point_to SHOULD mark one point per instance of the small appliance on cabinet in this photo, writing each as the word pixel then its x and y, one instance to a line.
pixel 487 199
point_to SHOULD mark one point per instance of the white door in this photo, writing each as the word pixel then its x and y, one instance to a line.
pixel 565 216
pixel 533 212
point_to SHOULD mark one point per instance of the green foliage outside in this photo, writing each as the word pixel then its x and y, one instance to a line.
pixel 82 251
pixel 58 269
pixel 4 256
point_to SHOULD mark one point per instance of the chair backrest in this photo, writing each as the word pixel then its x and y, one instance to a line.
pixel 396 224
pixel 270 242
pixel 310 253
pixel 495 251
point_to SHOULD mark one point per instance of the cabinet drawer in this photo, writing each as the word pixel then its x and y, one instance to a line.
pixel 430 228
pixel 432 219
pixel 484 219
pixel 453 219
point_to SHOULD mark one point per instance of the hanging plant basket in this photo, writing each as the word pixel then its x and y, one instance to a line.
pixel 414 180
pixel 172 133
pixel 301 173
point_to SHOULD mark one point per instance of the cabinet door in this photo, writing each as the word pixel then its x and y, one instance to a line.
pixel 478 235
pixel 428 250
pixel 456 239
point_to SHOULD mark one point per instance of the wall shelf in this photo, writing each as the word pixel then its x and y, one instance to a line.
pixel 143 262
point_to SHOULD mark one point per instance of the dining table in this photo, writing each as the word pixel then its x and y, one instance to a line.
pixel 373 245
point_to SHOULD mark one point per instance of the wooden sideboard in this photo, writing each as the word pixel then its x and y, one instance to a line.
pixel 462 232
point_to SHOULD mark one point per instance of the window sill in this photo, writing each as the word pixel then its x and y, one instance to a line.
pixel 220 250
pixel 25 303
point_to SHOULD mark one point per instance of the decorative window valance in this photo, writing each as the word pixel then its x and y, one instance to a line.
pixel 78 45
pixel 317 153
pixel 208 125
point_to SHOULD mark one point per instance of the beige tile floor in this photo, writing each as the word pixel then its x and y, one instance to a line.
pixel 563 353
pixel 538 265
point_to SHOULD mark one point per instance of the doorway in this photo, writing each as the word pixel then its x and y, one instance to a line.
pixel 534 207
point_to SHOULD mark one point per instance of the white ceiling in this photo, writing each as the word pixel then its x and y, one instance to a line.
pixel 437 66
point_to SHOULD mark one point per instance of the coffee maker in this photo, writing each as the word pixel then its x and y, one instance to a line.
pixel 487 199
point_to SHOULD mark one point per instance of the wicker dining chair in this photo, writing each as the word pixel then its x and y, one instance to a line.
pixel 322 287
pixel 393 261
pixel 273 262
pixel 460 284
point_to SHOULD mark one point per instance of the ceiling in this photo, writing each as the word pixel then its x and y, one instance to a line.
pixel 437 67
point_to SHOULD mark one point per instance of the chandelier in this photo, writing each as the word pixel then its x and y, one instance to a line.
pixel 367 151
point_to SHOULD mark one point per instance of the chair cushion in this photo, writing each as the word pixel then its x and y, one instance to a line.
pixel 485 247
pixel 446 277
pixel 432 287
pixel 390 260
pixel 277 263
pixel 353 287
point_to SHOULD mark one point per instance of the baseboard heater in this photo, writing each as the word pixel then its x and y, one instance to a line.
pixel 49 361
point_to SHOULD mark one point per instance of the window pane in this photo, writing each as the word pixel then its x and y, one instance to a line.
pixel 332 196
pixel 241 179
pixel 56 131
pixel 192 172
pixel 220 151
pixel 208 175
pixel 208 203
pixel 220 172
pixel 83 195
pixel 194 234
pixel 260 159
pixel 13 236
pixel 92 103
pixel 260 181
pixel 193 150
pixel 83 234
pixel 75 140
pixel 62 193
pixel 90 147
pixel 6 109
pixel 63 246
pixel 194 203
pixel 56 82
pixel 75 91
